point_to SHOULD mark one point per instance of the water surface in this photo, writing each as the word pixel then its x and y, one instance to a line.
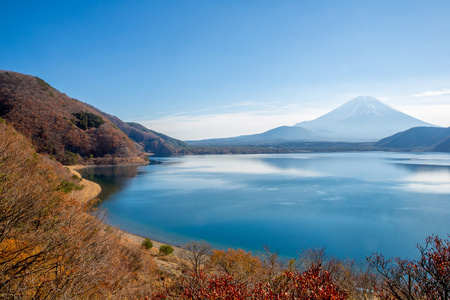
pixel 353 204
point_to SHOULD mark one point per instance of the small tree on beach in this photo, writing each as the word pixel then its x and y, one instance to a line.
pixel 147 243
pixel 165 250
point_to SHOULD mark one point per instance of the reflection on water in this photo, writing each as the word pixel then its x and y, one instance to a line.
pixel 111 178
pixel 351 203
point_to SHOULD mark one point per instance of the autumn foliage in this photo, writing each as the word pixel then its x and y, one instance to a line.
pixel 239 275
pixel 425 278
pixel 311 284
pixel 61 126
pixel 50 246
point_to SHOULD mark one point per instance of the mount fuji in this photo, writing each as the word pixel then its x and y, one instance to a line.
pixel 361 119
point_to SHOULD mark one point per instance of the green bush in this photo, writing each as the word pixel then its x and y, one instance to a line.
pixel 67 186
pixel 147 243
pixel 165 249
pixel 76 178
pixel 86 120
pixel 68 158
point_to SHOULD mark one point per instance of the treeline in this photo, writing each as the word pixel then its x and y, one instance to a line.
pixel 50 246
pixel 291 147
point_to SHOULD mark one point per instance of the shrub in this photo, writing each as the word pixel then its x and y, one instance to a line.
pixel 76 178
pixel 67 186
pixel 147 243
pixel 165 249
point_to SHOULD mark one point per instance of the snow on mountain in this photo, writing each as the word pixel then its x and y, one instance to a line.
pixel 362 119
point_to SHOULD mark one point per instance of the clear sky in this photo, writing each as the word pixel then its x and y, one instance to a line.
pixel 203 69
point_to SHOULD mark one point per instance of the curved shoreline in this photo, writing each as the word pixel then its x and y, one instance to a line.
pixel 91 191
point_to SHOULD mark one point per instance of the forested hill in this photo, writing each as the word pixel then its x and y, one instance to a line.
pixel 64 127
pixel 147 140
pixel 51 246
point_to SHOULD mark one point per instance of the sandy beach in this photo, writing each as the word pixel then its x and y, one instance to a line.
pixel 91 189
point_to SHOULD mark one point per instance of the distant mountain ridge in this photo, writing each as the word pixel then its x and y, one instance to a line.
pixel 363 118
pixel 419 138
pixel 277 135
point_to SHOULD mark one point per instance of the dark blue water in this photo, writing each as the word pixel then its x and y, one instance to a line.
pixel 353 204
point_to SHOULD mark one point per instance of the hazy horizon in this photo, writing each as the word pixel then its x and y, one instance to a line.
pixel 202 69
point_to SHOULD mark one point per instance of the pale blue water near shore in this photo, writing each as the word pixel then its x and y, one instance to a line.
pixel 353 204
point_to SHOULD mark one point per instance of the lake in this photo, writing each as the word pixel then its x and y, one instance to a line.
pixel 353 204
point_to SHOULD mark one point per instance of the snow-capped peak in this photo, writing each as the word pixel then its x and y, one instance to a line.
pixel 362 118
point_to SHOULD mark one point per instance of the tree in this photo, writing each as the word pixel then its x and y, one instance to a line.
pixel 271 263
pixel 147 243
pixel 197 253
pixel 237 263
pixel 165 249
pixel 426 278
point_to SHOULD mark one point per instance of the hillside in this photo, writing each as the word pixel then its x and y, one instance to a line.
pixel 147 140
pixel 61 126
pixel 51 245
pixel 419 138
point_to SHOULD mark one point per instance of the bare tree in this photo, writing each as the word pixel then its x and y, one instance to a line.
pixel 197 253
pixel 426 278
pixel 271 263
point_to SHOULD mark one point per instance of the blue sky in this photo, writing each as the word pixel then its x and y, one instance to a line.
pixel 203 69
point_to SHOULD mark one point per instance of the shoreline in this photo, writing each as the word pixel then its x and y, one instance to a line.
pixel 91 191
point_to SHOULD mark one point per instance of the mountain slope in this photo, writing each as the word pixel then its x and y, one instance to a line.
pixel 419 138
pixel 361 119
pixel 52 245
pixel 147 140
pixel 274 136
pixel 61 126
pixel 443 145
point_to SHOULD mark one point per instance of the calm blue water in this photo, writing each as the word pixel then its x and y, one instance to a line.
pixel 353 204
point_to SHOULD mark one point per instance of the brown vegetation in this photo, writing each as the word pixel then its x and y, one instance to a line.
pixel 240 275
pixel 50 247
pixel 58 125
pixel 426 278
pixel 148 140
